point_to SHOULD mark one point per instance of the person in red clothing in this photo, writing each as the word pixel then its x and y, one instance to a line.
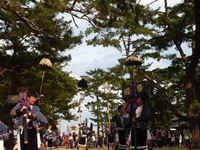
pixel 66 141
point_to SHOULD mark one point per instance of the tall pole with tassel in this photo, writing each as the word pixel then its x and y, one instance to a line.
pixel 45 64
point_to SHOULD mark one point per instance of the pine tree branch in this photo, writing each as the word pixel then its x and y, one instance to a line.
pixel 28 22
pixel 164 94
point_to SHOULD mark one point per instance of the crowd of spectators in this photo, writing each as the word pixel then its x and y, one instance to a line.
pixel 163 137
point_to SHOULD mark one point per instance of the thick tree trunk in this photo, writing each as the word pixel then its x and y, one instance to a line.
pixel 194 125
pixel 192 115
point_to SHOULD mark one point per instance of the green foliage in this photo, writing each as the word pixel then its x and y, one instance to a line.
pixel 33 29
pixel 58 98
pixel 116 24
pixel 29 31
pixel 99 105
pixel 137 29
pixel 196 107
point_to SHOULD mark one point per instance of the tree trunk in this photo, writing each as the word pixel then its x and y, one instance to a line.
pixel 98 126
pixel 192 114
pixel 194 125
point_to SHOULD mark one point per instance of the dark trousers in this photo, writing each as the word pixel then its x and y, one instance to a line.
pixel 82 141
pixel 111 138
pixel 122 139
pixel 9 144
pixel 50 143
pixel 139 138
pixel 32 140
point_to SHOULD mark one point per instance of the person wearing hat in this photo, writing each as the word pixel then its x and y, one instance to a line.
pixel 118 128
pixel 140 123
pixel 28 118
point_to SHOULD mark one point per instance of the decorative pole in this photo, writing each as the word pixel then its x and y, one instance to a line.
pixel 106 90
pixel 82 84
pixel 133 60
pixel 45 64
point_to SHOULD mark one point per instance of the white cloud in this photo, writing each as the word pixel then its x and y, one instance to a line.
pixel 160 3
pixel 85 58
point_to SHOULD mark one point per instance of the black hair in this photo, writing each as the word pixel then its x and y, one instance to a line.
pixel 143 96
pixel 29 94
pixel 119 107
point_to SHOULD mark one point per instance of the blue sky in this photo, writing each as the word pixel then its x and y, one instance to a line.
pixel 85 58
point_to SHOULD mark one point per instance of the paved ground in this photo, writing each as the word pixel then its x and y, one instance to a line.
pixel 105 148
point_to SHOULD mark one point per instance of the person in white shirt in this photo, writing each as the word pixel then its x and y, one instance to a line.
pixel 140 123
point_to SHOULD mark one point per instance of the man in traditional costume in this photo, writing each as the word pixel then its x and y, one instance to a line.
pixel 140 124
pixel 28 119
pixel 118 126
